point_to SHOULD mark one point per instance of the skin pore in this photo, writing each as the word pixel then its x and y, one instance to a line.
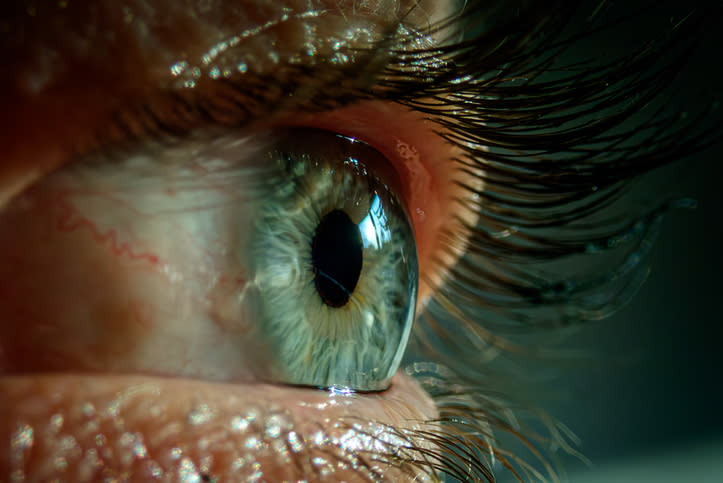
pixel 101 374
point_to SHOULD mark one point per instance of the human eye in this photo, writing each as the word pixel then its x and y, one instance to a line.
pixel 232 144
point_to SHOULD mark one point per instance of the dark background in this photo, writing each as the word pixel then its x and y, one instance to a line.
pixel 648 402
pixel 657 385
pixel 672 391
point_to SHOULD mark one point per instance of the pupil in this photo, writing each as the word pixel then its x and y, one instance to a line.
pixel 336 255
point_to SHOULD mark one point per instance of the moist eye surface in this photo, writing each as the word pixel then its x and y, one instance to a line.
pixel 281 256
pixel 335 264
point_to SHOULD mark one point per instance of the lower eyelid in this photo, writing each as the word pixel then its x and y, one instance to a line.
pixel 134 424
pixel 424 162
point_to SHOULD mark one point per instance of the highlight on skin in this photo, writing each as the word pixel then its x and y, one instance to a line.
pixel 532 160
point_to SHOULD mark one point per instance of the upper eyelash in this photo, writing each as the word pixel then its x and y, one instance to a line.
pixel 570 175
pixel 542 163
pixel 544 170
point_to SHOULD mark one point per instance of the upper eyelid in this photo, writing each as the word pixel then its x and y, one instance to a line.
pixel 253 99
pixel 65 106
pixel 161 111
pixel 175 97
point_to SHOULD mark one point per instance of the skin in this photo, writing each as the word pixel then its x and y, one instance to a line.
pixel 80 400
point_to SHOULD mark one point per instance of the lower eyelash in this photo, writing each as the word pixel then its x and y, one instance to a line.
pixel 541 254
pixel 547 171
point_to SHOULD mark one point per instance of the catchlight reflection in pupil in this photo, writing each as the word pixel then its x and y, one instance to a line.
pixel 337 258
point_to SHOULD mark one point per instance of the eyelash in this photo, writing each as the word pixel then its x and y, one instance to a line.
pixel 546 170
